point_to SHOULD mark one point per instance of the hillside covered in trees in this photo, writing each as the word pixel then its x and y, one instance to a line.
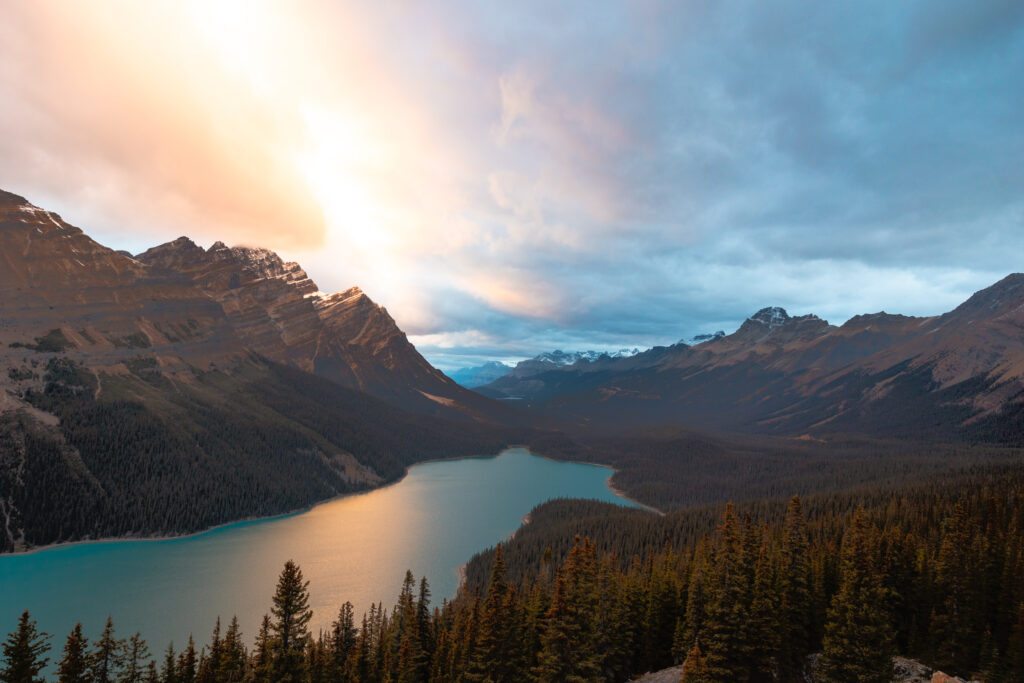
pixel 143 454
pixel 734 594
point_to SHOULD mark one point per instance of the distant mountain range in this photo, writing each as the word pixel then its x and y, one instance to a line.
pixel 493 370
pixel 480 374
pixel 960 374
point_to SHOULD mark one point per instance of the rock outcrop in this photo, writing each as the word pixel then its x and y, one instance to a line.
pixel 279 313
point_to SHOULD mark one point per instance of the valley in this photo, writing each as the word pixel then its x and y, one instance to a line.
pixel 154 397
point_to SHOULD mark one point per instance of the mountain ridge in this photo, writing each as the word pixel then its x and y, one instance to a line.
pixel 962 371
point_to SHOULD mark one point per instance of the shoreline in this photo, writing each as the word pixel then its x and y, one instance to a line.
pixel 611 487
pixel 306 508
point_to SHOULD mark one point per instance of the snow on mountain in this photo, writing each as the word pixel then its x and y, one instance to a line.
pixel 702 338
pixel 772 316
pixel 563 358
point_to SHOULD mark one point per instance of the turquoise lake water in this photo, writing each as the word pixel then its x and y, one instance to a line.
pixel 355 548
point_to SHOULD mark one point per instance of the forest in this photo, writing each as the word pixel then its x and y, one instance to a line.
pixel 261 440
pixel 838 582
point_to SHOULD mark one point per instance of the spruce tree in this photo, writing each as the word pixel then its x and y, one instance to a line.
pixel 1013 659
pixel 74 665
pixel 425 628
pixel 136 660
pixel 555 659
pixel 725 629
pixel 490 657
pixel 169 669
pixel 794 592
pixel 858 645
pixel 232 661
pixel 343 637
pixel 953 625
pixel 23 652
pixel 188 662
pixel 695 669
pixel 261 656
pixel 405 633
pixel 210 663
pixel 763 627
pixel 291 625
pixel 107 656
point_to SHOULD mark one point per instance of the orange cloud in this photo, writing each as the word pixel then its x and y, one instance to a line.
pixel 126 110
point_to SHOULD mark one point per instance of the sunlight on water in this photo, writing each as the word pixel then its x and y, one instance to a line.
pixel 355 548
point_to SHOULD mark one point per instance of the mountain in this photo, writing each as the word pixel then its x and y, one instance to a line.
pixel 702 338
pixel 278 312
pixel 185 388
pixel 960 374
pixel 480 374
pixel 518 383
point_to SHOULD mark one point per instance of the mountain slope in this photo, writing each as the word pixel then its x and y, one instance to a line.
pixel 957 374
pixel 139 399
pixel 278 312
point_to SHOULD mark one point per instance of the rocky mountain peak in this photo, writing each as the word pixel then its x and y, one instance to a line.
pixel 773 325
pixel 1005 295
pixel 11 198
pixel 772 316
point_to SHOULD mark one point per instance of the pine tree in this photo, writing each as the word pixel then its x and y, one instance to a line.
pixel 491 656
pixel 424 627
pixel 695 669
pixel 210 663
pixel 262 657
pixel 763 627
pixel 343 637
pixel 794 591
pixel 136 659
pixel 858 645
pixel 953 625
pixel 169 670
pixel 1013 659
pixel 725 629
pixel 661 613
pixel 291 625
pixel 231 667
pixel 406 633
pixel 107 656
pixel 188 662
pixel 74 665
pixel 23 652
pixel 555 661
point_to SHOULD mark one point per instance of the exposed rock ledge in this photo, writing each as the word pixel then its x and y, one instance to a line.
pixel 903 671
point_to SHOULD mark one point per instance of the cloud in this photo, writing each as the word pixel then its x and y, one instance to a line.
pixel 124 112
pixel 508 178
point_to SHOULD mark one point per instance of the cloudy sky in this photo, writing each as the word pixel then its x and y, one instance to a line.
pixel 513 177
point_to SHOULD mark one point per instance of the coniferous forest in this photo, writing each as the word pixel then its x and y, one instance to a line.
pixel 837 582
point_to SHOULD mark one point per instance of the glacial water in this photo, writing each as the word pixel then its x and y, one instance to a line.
pixel 354 548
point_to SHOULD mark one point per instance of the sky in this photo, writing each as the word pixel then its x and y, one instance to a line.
pixel 510 178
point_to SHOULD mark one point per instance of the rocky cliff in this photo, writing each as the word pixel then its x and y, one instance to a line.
pixel 279 313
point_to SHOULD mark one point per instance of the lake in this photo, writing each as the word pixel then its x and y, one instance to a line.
pixel 354 548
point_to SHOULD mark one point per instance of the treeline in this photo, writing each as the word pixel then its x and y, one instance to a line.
pixel 145 454
pixel 936 574
pixel 660 467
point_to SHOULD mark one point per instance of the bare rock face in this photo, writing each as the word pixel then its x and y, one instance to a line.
pixel 910 671
pixel 279 313
pixel 186 307
pixel 60 291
